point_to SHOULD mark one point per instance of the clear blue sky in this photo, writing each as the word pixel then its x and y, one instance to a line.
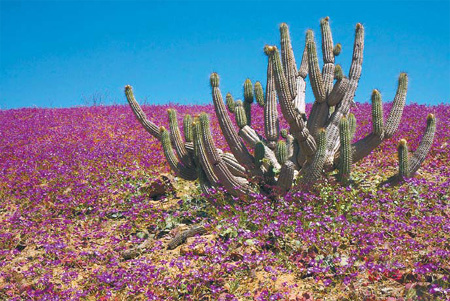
pixel 60 53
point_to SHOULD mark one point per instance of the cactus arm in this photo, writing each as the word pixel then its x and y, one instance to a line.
pixel 403 160
pixel 352 124
pixel 187 128
pixel 337 49
pixel 240 116
pixel 288 59
pixel 315 75
pixel 293 117
pixel 364 146
pixel 377 114
pixel 175 164
pixel 338 92
pixel 200 154
pixel 424 146
pixel 281 85
pixel 344 106
pixel 345 154
pixel 248 100
pixel 234 185
pixel 395 115
pixel 237 147
pixel 292 148
pixel 252 138
pixel 230 103
pixel 357 59
pixel 303 70
pixel 176 139
pixel 259 94
pixel 249 135
pixel 233 165
pixel 204 183
pixel 320 109
pixel 286 177
pixel 299 101
pixel 271 123
pixel 260 153
pixel 312 170
pixel 140 115
pixel 328 55
pixel 281 152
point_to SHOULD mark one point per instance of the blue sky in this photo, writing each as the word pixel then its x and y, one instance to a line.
pixel 62 53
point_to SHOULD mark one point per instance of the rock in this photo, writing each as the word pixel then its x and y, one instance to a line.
pixel 158 187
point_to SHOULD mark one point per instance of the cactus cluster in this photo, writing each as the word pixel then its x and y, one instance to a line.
pixel 299 155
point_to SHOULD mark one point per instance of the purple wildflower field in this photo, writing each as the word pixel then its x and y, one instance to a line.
pixel 74 199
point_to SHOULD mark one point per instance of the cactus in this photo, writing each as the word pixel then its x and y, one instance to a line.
pixel 175 136
pixel 259 154
pixel 338 74
pixel 403 160
pixel 337 49
pixel 241 117
pixel 322 141
pixel 248 100
pixel 312 170
pixel 424 146
pixel 175 164
pixel 187 128
pixel 259 94
pixel 281 152
pixel 345 155
pixel 230 103
pixel 352 124
pixel 377 114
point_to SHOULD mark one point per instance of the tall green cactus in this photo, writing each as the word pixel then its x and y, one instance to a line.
pixel 259 94
pixel 352 124
pixel 281 152
pixel 248 100
pixel 345 156
pixel 259 154
pixel 187 128
pixel 377 114
pixel 403 160
pixel 241 117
